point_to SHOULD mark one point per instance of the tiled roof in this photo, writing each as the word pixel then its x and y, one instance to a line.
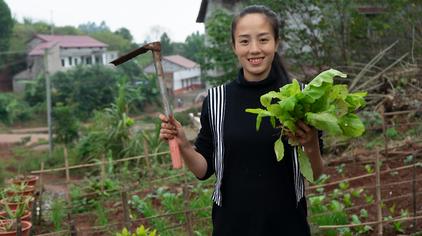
pixel 181 61
pixel 64 41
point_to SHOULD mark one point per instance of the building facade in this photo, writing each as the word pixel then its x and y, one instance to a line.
pixel 53 53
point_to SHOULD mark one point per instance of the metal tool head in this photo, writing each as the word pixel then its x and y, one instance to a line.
pixel 154 46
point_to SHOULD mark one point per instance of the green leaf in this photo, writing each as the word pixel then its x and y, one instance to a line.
pixel 356 100
pixel 305 165
pixel 324 121
pixel 351 125
pixel 289 90
pixel 279 149
pixel 267 98
pixel 261 113
pixel 320 85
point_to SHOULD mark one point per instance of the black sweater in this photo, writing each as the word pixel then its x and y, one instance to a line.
pixel 258 196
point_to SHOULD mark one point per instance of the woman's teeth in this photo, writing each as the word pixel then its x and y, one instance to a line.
pixel 255 60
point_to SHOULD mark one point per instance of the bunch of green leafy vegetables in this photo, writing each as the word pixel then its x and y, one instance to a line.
pixel 322 104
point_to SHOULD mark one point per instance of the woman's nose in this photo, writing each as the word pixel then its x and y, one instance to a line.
pixel 254 48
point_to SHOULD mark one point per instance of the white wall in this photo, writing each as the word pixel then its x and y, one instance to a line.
pixel 189 76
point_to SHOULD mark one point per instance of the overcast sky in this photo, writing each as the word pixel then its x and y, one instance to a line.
pixel 176 18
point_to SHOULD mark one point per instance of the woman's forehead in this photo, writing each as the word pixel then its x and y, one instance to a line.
pixel 253 24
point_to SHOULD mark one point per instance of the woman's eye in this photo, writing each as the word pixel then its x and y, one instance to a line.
pixel 244 41
pixel 264 40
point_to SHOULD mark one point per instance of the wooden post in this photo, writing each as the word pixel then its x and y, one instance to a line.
pixel 73 230
pixel 147 160
pixel 18 226
pixel 414 191
pixel 377 176
pixel 125 210
pixel 66 164
pixel 38 206
pixel 186 204
pixel 103 173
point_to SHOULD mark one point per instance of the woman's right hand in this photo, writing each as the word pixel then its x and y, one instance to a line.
pixel 172 129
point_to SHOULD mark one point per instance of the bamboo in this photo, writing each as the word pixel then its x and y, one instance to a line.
pixel 102 173
pixel 92 164
pixel 369 223
pixel 186 205
pixel 360 177
pixel 414 190
pixel 125 209
pixel 66 164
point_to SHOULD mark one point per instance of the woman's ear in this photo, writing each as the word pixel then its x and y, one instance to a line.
pixel 277 44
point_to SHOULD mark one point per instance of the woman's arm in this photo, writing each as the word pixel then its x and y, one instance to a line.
pixel 308 138
pixel 171 128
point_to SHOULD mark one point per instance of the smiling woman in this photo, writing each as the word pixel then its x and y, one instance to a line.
pixel 253 194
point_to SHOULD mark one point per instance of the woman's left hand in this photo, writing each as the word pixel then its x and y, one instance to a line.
pixel 307 136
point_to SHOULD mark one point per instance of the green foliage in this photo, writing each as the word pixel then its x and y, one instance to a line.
pixel 194 47
pixel 58 213
pixel 166 45
pixel 6 23
pixel 335 33
pixel 217 52
pixel 65 126
pixel 100 213
pixel 391 133
pixel 13 109
pixel 145 207
pixel 321 104
pixel 140 231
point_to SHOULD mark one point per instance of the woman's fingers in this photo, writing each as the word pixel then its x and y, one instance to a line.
pixel 163 118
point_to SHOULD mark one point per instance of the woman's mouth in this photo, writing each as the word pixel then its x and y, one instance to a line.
pixel 255 61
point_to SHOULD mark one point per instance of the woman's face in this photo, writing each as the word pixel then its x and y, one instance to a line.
pixel 254 46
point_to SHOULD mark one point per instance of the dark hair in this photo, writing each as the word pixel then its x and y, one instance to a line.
pixel 274 21
pixel 260 9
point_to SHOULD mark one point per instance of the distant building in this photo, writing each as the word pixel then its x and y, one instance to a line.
pixel 181 74
pixel 64 52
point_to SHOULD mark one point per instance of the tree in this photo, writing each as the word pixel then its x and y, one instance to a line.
pixel 219 53
pixel 194 47
pixel 166 45
pixel 124 33
pixel 6 26
pixel 92 27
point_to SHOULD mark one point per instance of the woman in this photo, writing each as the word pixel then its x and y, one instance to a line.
pixel 254 194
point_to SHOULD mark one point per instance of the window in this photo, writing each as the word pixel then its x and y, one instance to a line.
pixel 70 61
pixel 62 62
pixel 88 60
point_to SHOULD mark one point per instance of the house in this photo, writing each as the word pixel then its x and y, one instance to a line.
pixel 63 52
pixel 180 73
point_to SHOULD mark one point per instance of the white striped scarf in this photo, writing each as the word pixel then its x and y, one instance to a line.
pixel 216 107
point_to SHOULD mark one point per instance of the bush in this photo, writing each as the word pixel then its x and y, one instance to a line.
pixel 13 109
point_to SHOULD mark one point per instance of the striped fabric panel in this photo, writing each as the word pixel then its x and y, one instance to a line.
pixel 216 115
pixel 298 178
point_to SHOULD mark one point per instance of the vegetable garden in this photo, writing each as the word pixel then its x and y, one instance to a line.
pixel 370 185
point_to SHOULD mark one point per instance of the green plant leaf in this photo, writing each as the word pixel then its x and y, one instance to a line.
pixel 351 125
pixel 324 121
pixel 279 149
pixel 305 165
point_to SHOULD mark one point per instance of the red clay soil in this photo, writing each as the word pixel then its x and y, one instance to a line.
pixel 388 191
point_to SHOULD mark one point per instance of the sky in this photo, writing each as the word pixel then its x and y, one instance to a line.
pixel 146 19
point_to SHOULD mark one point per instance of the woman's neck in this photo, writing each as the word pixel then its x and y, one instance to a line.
pixel 255 78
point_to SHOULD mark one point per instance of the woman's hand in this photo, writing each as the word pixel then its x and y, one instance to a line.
pixel 307 136
pixel 172 129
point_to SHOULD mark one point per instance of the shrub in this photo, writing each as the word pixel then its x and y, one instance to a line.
pixel 13 109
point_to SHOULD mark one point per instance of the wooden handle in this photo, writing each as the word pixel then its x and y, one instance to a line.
pixel 176 159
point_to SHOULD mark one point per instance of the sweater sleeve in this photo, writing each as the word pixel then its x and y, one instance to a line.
pixel 204 141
